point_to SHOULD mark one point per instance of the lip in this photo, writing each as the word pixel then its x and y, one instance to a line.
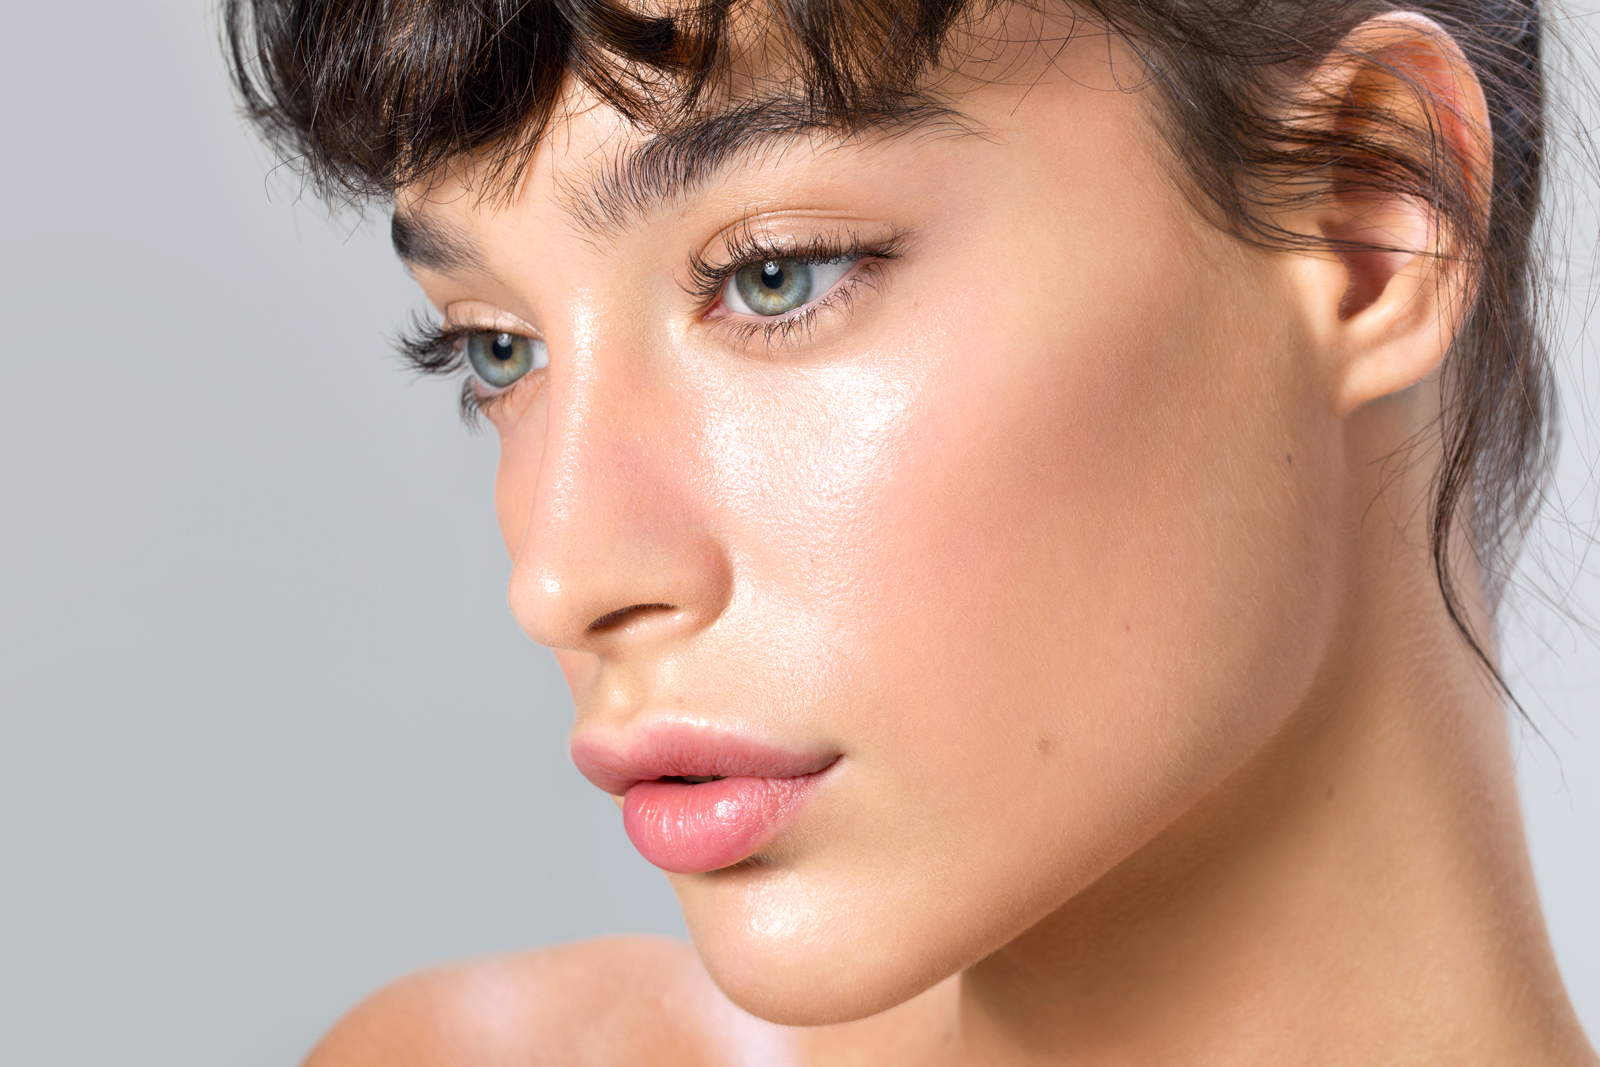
pixel 687 827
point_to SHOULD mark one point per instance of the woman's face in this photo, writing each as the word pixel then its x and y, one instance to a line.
pixel 970 555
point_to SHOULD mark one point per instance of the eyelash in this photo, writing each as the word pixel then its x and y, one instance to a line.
pixel 708 280
pixel 436 350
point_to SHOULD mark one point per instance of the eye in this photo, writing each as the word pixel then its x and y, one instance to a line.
pixel 778 286
pixel 499 359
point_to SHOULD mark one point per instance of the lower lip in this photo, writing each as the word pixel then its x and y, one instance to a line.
pixel 689 828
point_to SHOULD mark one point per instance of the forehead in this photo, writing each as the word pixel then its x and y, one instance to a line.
pixel 605 174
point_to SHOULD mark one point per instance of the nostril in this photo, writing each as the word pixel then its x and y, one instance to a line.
pixel 611 620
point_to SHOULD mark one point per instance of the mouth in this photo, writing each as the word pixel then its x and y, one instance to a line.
pixel 697 798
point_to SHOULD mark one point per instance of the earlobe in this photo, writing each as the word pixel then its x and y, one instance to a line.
pixel 1389 282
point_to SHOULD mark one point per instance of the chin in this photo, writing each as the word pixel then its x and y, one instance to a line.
pixel 800 948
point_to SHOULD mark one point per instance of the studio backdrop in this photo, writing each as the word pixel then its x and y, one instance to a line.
pixel 269 736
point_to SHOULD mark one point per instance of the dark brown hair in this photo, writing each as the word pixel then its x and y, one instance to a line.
pixel 369 96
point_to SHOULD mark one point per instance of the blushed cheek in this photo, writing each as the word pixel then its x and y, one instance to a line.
pixel 1062 551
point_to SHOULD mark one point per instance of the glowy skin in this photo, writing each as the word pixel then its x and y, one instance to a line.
pixel 1057 541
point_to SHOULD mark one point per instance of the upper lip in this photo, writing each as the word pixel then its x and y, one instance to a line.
pixel 674 747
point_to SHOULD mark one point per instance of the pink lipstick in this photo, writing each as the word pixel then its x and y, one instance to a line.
pixel 697 798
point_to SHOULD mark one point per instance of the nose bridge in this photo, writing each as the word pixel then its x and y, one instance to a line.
pixel 619 548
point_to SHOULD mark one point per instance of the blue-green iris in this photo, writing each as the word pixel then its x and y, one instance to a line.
pixel 774 287
pixel 501 358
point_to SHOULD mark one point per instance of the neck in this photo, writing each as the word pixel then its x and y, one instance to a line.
pixel 1359 891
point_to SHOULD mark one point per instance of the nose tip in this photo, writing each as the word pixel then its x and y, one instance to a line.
pixel 579 598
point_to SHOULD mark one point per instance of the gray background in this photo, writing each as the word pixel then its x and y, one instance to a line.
pixel 268 734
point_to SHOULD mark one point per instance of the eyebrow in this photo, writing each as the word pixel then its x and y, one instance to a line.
pixel 672 163
pixel 426 242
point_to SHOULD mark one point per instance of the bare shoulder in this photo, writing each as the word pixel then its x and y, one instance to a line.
pixel 610 1001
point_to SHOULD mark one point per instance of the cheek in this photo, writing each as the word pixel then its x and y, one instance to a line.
pixel 1128 577
pixel 1098 560
pixel 1066 579
pixel 1051 530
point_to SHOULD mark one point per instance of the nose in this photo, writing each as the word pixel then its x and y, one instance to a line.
pixel 619 551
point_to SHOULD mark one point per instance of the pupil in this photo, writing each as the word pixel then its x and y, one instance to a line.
pixel 502 346
pixel 772 276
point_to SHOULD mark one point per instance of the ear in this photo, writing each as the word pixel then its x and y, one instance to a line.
pixel 1386 304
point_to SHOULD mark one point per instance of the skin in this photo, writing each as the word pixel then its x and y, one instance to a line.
pixel 1092 539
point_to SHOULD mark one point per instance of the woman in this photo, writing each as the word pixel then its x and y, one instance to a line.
pixel 1017 492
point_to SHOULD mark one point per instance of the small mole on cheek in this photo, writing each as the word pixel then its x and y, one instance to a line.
pixel 1043 745
pixel 1288 458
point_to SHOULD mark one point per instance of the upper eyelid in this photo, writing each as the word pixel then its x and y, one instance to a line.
pixel 461 329
pixel 747 243
pixel 492 320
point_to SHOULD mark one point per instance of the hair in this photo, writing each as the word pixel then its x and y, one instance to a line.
pixel 366 97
